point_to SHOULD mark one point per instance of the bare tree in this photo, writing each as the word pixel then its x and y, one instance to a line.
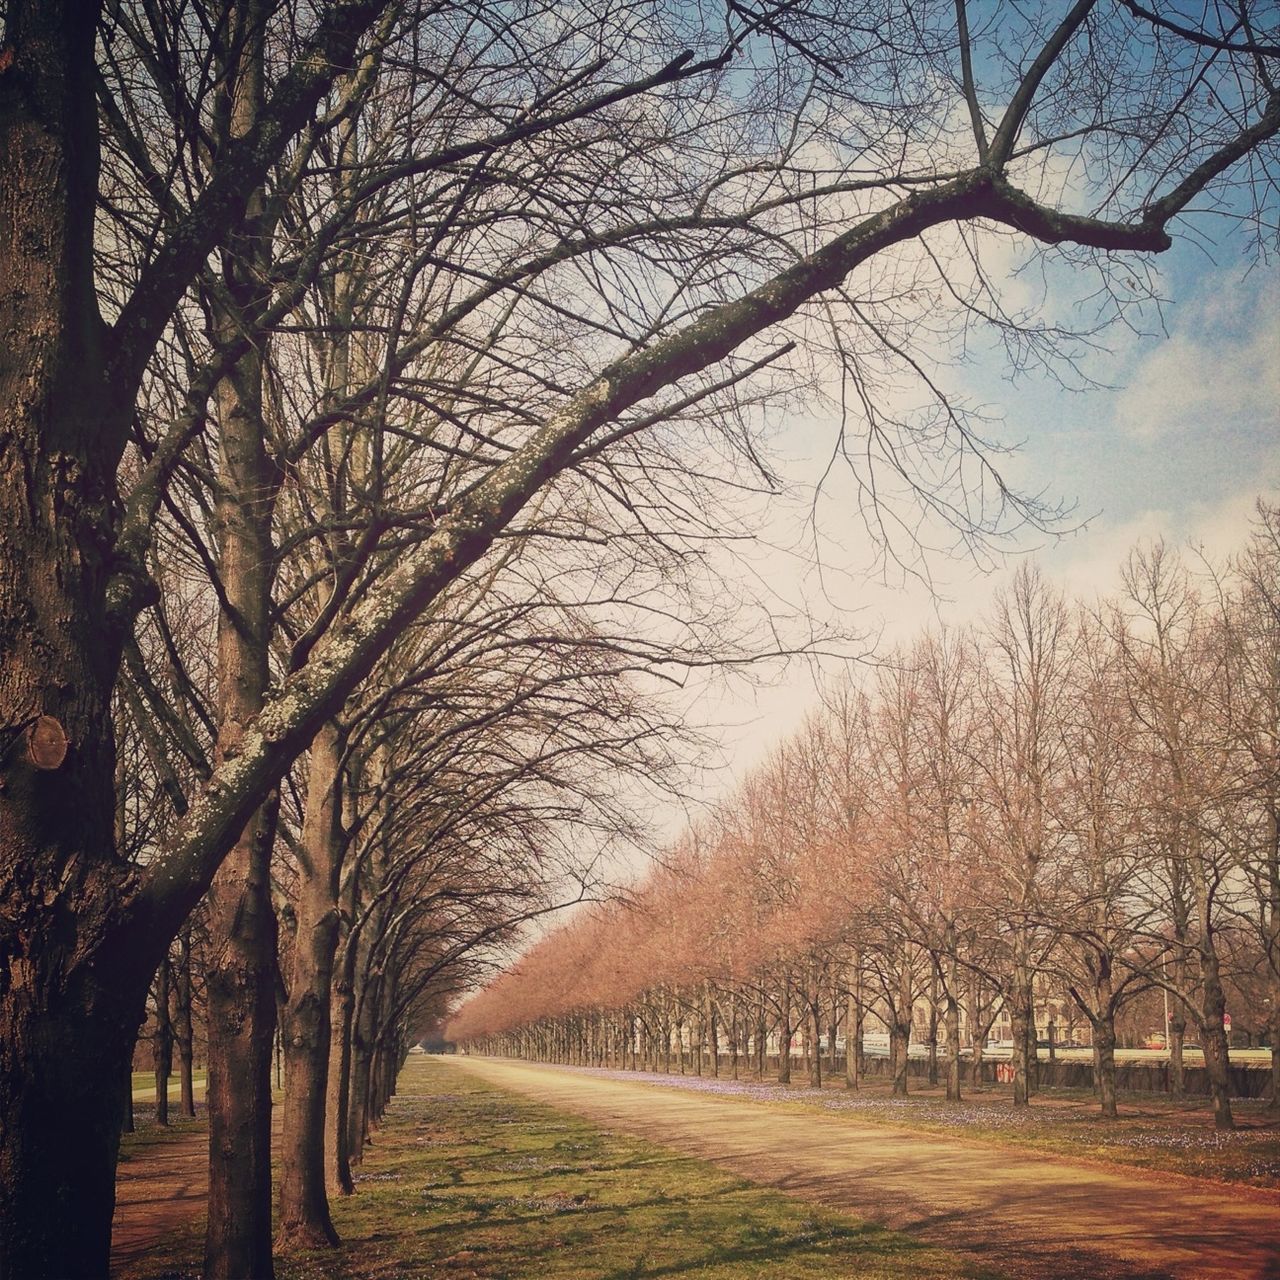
pixel 828 155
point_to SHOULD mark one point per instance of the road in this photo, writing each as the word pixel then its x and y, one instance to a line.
pixel 1024 1214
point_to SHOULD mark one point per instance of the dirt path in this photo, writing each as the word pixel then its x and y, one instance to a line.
pixel 1024 1214
pixel 159 1189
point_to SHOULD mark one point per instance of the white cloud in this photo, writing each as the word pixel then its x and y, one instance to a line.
pixel 1089 565
pixel 1221 366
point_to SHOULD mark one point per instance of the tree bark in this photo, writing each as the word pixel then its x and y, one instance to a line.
pixel 1214 1037
pixel 1104 1046
pixel 305 1221
pixel 242 975
pixel 242 1016
pixel 952 1016
pixel 70 1006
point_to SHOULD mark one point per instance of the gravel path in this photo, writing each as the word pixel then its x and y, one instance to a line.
pixel 1024 1214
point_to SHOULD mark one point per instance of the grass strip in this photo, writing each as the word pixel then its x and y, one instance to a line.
pixel 468 1180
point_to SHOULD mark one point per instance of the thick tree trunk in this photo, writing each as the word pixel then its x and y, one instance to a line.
pixel 1214 1038
pixel 1104 1048
pixel 242 1016
pixel 952 1016
pixel 58 1139
pixel 70 1006
pixel 305 1221
pixel 242 975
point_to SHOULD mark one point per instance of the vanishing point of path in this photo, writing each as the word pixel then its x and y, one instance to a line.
pixel 1018 1212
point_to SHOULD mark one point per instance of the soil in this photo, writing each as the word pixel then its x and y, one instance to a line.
pixel 161 1187
pixel 1018 1212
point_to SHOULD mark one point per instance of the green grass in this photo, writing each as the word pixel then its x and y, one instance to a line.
pixel 477 1182
pixel 143 1084
pixel 465 1180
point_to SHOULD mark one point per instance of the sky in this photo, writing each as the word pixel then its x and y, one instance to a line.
pixel 1178 441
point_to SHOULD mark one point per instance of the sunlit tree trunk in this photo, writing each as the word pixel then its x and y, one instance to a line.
pixel 305 1221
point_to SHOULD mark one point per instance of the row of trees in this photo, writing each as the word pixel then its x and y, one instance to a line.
pixel 372 375
pixel 1083 799
pixel 418 832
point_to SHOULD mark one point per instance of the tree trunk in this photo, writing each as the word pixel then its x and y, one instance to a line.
pixel 815 1034
pixel 1214 1038
pixel 162 1044
pixel 784 1037
pixel 242 1017
pixel 735 1033
pixel 70 1003
pixel 305 1221
pixel 1177 1067
pixel 338 1102
pixel 952 1015
pixel 242 987
pixel 713 1030
pixel 1022 1032
pixel 761 1038
pixel 900 1021
pixel 364 1037
pixel 1104 1047
pixel 60 1138
pixel 184 1032
pixel 853 1025
pixel 899 1049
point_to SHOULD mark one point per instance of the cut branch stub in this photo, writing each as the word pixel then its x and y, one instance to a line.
pixel 46 743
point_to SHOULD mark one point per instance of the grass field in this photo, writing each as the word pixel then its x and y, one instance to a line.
pixel 468 1181
pixel 144 1086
